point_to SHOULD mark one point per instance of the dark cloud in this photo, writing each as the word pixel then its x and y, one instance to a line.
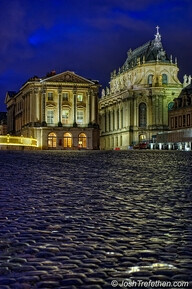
pixel 89 37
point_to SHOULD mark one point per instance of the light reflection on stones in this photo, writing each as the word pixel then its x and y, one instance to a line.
pixel 93 216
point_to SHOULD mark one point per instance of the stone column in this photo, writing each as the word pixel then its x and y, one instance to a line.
pixel 43 99
pixel 59 105
pixel 153 110
pixel 36 95
pixel 93 108
pixel 74 106
pixel 156 110
pixel 88 107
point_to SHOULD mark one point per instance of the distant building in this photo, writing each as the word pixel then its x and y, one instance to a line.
pixel 179 135
pixel 3 123
pixel 135 106
pixel 60 111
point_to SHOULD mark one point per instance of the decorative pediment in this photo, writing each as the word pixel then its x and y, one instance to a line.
pixel 68 77
pixel 9 95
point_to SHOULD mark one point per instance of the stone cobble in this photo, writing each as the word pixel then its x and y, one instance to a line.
pixel 80 220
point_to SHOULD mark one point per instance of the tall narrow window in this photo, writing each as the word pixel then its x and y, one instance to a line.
pixel 82 140
pixel 150 79
pixel 65 96
pixel 80 97
pixel 67 140
pixel 122 124
pixel 50 117
pixel 142 115
pixel 109 120
pixel 50 96
pixel 52 140
pixel 80 116
pixel 117 119
pixel 164 78
pixel 65 116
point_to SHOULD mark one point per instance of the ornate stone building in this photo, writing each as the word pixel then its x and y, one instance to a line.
pixel 60 111
pixel 179 135
pixel 135 106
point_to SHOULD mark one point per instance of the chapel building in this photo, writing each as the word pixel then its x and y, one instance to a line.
pixel 135 106
pixel 59 110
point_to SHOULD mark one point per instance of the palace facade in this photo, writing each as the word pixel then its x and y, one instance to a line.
pixel 135 106
pixel 59 110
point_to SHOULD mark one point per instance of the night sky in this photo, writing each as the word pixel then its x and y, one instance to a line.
pixel 89 37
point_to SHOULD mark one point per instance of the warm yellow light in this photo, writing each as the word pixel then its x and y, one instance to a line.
pixel 10 140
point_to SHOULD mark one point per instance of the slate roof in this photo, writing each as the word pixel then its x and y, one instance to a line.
pixel 149 52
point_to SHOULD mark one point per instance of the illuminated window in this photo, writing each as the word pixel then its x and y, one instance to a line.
pixel 164 79
pixel 50 96
pixel 65 96
pixel 79 97
pixel 52 140
pixel 50 117
pixel 67 140
pixel 82 140
pixel 80 116
pixel 142 115
pixel 65 116
pixel 150 79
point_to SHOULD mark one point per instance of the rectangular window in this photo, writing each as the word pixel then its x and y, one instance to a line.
pixel 80 97
pixel 172 122
pixel 50 96
pixel 184 120
pixel 65 116
pixel 50 117
pixel 122 118
pixel 80 116
pixel 65 96
pixel 176 122
pixel 188 120
pixel 180 121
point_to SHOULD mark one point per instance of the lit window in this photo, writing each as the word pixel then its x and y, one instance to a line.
pixel 82 140
pixel 67 140
pixel 65 96
pixel 50 116
pixel 79 97
pixel 52 140
pixel 50 96
pixel 65 116
pixel 80 116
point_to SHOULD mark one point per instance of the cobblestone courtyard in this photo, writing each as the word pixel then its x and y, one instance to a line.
pixel 95 220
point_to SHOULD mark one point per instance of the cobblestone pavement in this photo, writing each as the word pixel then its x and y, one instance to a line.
pixel 95 220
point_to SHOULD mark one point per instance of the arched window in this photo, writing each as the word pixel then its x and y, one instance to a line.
pixel 142 115
pixel 82 140
pixel 164 78
pixel 150 79
pixel 52 140
pixel 67 140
